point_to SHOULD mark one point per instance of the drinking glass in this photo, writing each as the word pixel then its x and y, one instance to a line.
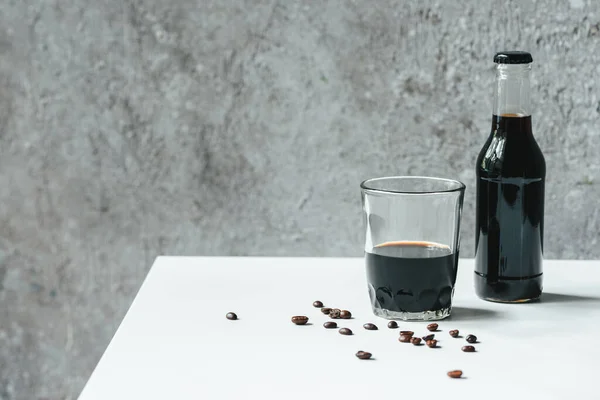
pixel 412 226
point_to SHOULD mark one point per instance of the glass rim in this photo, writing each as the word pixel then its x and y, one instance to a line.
pixel 460 187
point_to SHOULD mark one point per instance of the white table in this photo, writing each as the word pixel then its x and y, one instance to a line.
pixel 175 342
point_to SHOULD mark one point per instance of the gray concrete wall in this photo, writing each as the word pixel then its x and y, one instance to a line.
pixel 133 128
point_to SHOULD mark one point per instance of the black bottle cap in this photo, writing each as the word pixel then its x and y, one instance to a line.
pixel 513 57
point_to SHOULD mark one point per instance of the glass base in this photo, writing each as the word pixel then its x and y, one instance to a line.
pixel 413 316
pixel 501 290
pixel 533 299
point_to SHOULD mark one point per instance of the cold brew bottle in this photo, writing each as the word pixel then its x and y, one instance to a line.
pixel 511 173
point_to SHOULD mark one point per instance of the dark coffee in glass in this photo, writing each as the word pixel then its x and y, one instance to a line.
pixel 411 277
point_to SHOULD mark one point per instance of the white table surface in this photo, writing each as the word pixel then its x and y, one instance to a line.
pixel 175 342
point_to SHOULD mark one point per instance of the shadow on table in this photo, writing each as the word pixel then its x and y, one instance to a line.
pixel 566 298
pixel 469 313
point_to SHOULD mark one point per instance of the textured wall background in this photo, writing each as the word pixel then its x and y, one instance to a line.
pixel 133 128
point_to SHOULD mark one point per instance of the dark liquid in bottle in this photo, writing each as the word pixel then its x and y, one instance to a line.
pixel 411 276
pixel 510 213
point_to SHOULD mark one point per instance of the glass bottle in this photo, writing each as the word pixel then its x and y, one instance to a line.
pixel 511 173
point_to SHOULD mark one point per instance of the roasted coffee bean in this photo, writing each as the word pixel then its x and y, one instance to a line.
pixel 325 310
pixel 416 341
pixel 335 313
pixel 392 324
pixel 370 327
pixel 431 343
pixel 432 327
pixel 345 314
pixel 363 355
pixel 405 338
pixel 318 304
pixel 300 320
pixel 345 331
pixel 457 373
pixel 231 315
pixel 468 349
pixel 454 333
pixel 471 339
pixel 428 337
pixel 408 333
pixel 330 325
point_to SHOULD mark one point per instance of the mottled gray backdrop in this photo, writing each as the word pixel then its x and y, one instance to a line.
pixel 133 128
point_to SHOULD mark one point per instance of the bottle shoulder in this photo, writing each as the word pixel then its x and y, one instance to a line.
pixel 511 155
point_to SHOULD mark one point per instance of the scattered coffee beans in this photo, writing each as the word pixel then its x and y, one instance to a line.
pixel 392 324
pixel 407 333
pixel 345 331
pixel 432 327
pixel 300 320
pixel 416 341
pixel 431 343
pixel 370 327
pixel 405 338
pixel 330 325
pixel 454 333
pixel 472 339
pixel 325 310
pixel 231 316
pixel 345 314
pixel 335 313
pixel 428 337
pixel 318 304
pixel 468 349
pixel 457 373
pixel 363 355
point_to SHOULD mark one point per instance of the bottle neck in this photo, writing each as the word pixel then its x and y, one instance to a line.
pixel 511 97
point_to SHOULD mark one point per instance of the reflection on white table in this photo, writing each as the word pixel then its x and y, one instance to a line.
pixel 175 342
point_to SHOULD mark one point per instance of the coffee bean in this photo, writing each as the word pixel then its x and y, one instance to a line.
pixel 231 316
pixel 370 327
pixel 330 325
pixel 300 320
pixel 335 313
pixel 416 341
pixel 432 327
pixel 407 333
pixel 345 331
pixel 325 310
pixel 431 343
pixel 454 333
pixel 405 338
pixel 468 349
pixel 428 337
pixel 457 373
pixel 392 324
pixel 318 304
pixel 363 355
pixel 471 339
pixel 345 314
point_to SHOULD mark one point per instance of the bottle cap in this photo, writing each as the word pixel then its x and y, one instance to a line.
pixel 513 57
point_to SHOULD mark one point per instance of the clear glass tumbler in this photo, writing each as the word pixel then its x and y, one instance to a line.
pixel 412 242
